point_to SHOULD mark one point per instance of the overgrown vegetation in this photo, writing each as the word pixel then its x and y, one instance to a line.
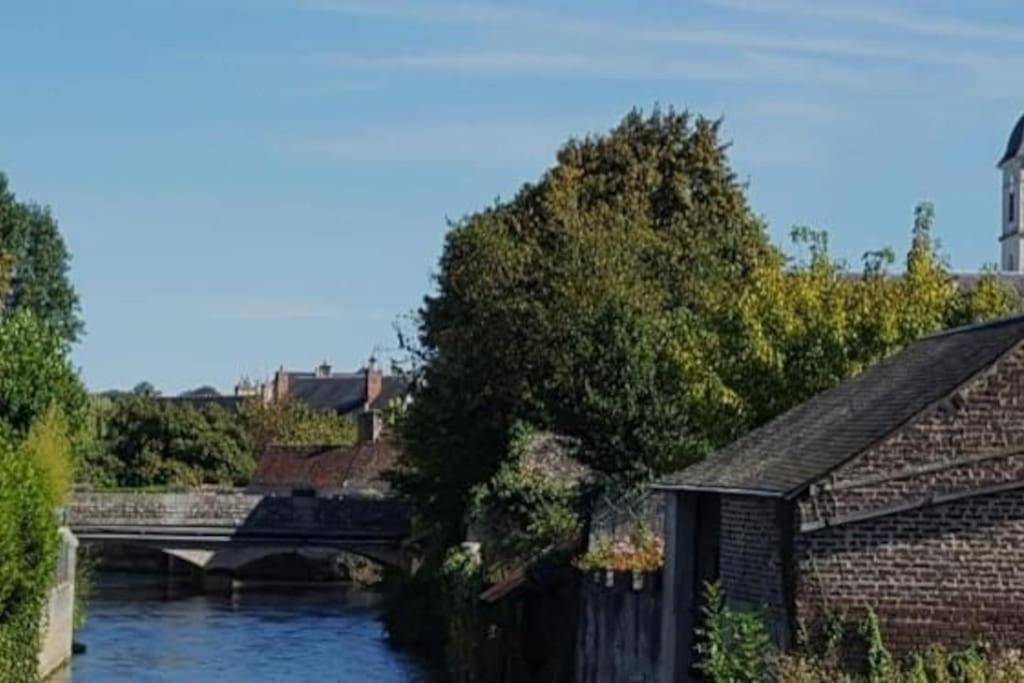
pixel 734 647
pixel 523 510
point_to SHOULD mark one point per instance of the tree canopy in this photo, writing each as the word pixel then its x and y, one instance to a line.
pixel 34 265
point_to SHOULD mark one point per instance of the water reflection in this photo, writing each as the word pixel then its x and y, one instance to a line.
pixel 146 629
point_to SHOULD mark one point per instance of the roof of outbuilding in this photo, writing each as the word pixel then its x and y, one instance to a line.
pixel 813 438
pixel 1013 144
pixel 325 467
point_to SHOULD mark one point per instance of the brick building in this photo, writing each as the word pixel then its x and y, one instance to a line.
pixel 901 489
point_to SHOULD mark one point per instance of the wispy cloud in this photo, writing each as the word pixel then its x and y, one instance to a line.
pixel 909 22
pixel 694 35
pixel 743 66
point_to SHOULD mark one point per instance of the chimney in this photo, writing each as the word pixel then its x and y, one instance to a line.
pixel 370 425
pixel 280 385
pixel 373 382
pixel 323 370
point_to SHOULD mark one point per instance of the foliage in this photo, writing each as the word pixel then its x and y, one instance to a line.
pixel 733 646
pixel 643 551
pixel 35 374
pixel 138 440
pixel 85 575
pixel 463 579
pixel 631 299
pixel 48 447
pixel 573 307
pixel 293 422
pixel 522 510
pixel 28 551
pixel 34 266
pixel 879 660
pixel 150 441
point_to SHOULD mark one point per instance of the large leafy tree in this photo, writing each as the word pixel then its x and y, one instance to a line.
pixel 577 305
pixel 34 263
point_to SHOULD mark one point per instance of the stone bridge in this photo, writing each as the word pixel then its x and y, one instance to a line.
pixel 219 533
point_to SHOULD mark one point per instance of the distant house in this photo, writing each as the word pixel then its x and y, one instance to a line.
pixel 345 393
pixel 326 469
pixel 902 489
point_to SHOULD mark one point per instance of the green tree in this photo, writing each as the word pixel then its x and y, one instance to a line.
pixel 154 442
pixel 35 264
pixel 576 305
pixel 35 374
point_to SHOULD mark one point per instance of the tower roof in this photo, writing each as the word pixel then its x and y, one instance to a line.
pixel 1014 143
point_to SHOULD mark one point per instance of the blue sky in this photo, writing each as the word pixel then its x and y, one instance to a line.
pixel 250 183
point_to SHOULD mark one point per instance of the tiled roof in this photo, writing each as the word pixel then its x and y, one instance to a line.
pixel 325 467
pixel 813 438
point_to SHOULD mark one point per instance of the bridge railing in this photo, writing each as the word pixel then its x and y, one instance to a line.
pixel 353 514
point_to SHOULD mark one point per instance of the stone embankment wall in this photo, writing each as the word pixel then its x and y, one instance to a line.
pixel 618 635
pixel 58 620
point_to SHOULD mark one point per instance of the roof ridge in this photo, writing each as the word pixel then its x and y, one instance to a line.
pixel 971 327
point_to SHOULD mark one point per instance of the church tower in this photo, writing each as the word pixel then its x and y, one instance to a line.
pixel 1012 166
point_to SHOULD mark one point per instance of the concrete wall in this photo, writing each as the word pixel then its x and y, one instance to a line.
pixel 619 630
pixel 58 619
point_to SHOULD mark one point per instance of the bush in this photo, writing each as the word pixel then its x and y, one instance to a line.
pixel 524 510
pixel 28 551
pixel 733 646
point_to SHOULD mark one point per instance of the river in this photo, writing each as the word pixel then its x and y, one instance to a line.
pixel 141 628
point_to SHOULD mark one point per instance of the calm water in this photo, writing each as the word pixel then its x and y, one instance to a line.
pixel 141 629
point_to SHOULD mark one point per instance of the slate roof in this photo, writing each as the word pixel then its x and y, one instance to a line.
pixel 813 438
pixel 1013 144
pixel 342 392
pixel 325 467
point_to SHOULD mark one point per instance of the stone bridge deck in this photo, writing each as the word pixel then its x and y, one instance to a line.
pixel 227 530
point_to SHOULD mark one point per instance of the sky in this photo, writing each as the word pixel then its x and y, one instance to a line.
pixel 245 184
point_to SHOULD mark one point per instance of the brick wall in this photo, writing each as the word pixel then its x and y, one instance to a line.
pixel 750 558
pixel 948 573
pixel 972 440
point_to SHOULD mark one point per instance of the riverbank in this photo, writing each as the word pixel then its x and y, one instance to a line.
pixel 153 628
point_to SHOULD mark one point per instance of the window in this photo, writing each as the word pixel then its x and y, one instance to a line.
pixel 1009 262
pixel 1011 214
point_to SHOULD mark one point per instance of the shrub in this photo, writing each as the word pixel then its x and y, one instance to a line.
pixel 28 550
pixel 733 646
pixel 880 665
